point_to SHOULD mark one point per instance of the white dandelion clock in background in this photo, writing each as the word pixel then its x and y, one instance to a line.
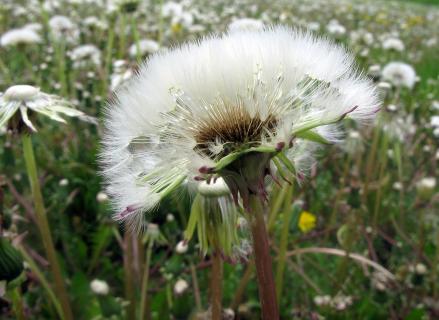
pixel 393 44
pixel 246 24
pixel 62 29
pixel 234 107
pixel 144 47
pixel 85 55
pixel 25 98
pixel 399 74
pixel 19 37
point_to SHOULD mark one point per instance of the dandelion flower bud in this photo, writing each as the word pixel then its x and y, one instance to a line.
pixel 153 230
pixel 420 269
pixel 425 187
pixel 216 188
pixel 180 287
pixel 102 197
pixel 99 287
pixel 63 182
pixel 181 247
pixel 228 314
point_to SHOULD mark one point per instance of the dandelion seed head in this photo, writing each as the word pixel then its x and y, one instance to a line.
pixel 190 107
pixel 19 36
pixel 399 74
pixel 23 98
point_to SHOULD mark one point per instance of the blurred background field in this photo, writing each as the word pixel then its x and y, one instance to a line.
pixel 374 195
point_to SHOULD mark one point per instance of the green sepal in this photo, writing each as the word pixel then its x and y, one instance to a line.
pixel 286 162
pixel 312 136
pixel 193 218
pixel 225 161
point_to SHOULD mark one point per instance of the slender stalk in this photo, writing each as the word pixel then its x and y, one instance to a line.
pixel 196 288
pixel 342 253
pixel 128 270
pixel 161 27
pixel 108 55
pixel 239 293
pixel 216 279
pixel 122 36
pixel 275 208
pixel 144 290
pixel 17 303
pixel 283 246
pixel 60 51
pixel 382 171
pixel 33 266
pixel 264 268
pixel 43 226
pixel 370 164
pixel 339 194
pixel 136 38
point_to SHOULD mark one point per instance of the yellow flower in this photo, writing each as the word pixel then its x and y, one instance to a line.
pixel 176 28
pixel 307 221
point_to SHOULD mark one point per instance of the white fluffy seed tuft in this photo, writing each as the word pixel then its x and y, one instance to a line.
pixel 188 106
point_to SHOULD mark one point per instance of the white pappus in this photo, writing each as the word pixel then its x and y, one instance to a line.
pixel 190 109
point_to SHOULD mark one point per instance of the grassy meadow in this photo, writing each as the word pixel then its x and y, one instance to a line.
pixel 356 238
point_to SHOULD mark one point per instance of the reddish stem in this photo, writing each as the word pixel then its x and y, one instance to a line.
pixel 264 269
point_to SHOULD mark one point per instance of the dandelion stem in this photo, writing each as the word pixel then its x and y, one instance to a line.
pixel 277 203
pixel 136 38
pixel 196 288
pixel 43 226
pixel 280 268
pixel 17 302
pixel 382 171
pixel 216 279
pixel 264 268
pixel 161 22
pixel 122 36
pixel 108 56
pixel 342 253
pixel 40 276
pixel 370 164
pixel 144 290
pixel 128 270
pixel 242 285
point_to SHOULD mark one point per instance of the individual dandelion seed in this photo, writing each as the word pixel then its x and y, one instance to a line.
pixel 25 98
pixel 238 107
